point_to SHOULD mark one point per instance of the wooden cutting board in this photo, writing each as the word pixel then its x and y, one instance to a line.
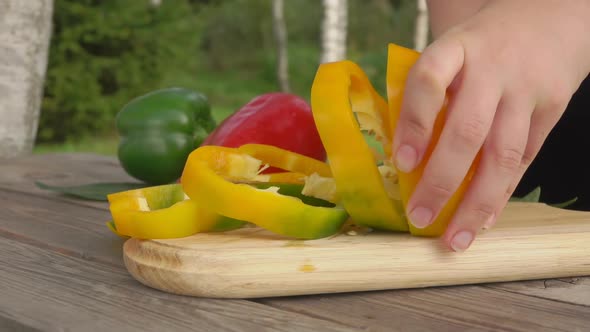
pixel 530 241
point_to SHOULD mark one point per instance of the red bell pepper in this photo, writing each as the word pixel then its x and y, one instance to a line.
pixel 280 119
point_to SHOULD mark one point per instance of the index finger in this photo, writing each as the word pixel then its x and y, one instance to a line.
pixel 424 95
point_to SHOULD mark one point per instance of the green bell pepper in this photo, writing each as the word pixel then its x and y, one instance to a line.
pixel 159 130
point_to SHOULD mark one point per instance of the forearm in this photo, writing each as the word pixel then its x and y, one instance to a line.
pixel 444 14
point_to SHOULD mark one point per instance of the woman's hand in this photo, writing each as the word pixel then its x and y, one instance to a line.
pixel 510 70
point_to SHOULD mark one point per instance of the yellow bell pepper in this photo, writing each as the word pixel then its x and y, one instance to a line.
pixel 204 180
pixel 340 91
pixel 399 62
pixel 162 212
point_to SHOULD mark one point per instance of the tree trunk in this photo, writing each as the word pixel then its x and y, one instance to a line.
pixel 25 30
pixel 334 28
pixel 421 33
pixel 280 33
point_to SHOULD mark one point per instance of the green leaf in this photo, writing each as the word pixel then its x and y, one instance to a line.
pixel 565 204
pixel 92 191
pixel 533 196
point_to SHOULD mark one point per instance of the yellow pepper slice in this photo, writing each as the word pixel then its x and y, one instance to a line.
pixel 161 212
pixel 204 180
pixel 286 160
pixel 339 88
pixel 399 62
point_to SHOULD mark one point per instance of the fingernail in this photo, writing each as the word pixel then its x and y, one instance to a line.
pixel 490 222
pixel 462 241
pixel 406 158
pixel 420 217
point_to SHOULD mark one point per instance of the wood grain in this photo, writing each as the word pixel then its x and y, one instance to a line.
pixel 59 226
pixel 531 241
pixel 51 291
pixel 12 325
pixel 464 308
pixel 570 290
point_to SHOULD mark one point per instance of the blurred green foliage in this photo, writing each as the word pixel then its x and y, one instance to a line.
pixel 106 52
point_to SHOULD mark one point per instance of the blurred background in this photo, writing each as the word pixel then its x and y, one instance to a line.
pixel 104 53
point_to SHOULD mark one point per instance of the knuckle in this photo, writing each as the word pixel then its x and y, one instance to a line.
pixel 507 158
pixel 470 133
pixel 440 189
pixel 425 74
pixel 482 211
pixel 526 160
pixel 415 126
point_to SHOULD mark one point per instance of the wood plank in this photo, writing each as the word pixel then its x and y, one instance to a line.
pixel 63 169
pixel 570 290
pixel 550 242
pixel 60 226
pixel 466 308
pixel 51 291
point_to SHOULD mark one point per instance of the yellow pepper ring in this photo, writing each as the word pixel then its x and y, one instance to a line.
pixel 336 87
pixel 203 181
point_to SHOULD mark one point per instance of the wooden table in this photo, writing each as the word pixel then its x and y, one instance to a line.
pixel 62 269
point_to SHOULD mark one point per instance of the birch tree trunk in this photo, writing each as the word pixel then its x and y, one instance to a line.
pixel 280 33
pixel 25 30
pixel 421 32
pixel 334 30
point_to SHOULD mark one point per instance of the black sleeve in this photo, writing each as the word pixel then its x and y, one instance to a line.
pixel 562 167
